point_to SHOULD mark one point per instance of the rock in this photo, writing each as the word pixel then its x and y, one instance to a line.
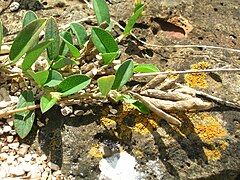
pixel 3 173
pixel 113 111
pixel 3 156
pixel 53 166
pixel 35 172
pixel 14 6
pixel 23 150
pixel 5 149
pixel 28 157
pixel 26 166
pixel 7 129
pixel 43 157
pixel 16 171
pixel 13 132
pixel 57 173
pixel 10 139
pixel 78 112
pixel 14 145
pixel 44 175
pixel 67 110
pixel 10 159
pixel 10 122
pixel 1 131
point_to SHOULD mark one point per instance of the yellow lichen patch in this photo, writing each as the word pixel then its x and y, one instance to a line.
pixel 212 154
pixel 209 130
pixel 197 79
pixel 94 151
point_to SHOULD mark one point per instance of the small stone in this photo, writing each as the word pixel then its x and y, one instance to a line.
pixel 10 159
pixel 57 173
pixel 14 6
pixel 5 149
pixel 3 172
pixel 44 175
pixel 14 145
pixel 34 172
pixel 10 139
pixel 79 112
pixel 43 157
pixel 7 129
pixel 3 156
pixel 67 110
pixel 53 166
pixel 10 122
pixel 28 157
pixel 23 149
pixel 113 111
pixel 16 171
pixel 26 166
pixel 1 131
pixel 13 132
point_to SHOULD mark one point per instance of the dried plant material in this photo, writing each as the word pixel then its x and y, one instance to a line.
pixel 170 119
pixel 154 82
pixel 181 22
pixel 186 90
pixel 192 104
pixel 159 94
pixel 4 50
pixel 167 84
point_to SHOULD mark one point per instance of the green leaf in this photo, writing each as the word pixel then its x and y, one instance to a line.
pixel 39 77
pixel 126 99
pixel 101 10
pixel 80 33
pixel 72 84
pixel 1 33
pixel 103 41
pixel 123 74
pixel 46 102
pixel 23 121
pixel 28 18
pixel 25 39
pixel 105 84
pixel 62 62
pixel 141 107
pixel 145 68
pixel 54 79
pixel 63 47
pixel 75 52
pixel 52 32
pixel 34 53
pixel 138 12
pixel 109 57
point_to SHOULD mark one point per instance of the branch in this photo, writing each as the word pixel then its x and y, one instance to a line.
pixel 187 72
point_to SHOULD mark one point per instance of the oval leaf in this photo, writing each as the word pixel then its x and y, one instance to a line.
pixel 34 53
pixel 63 47
pixel 123 74
pixel 73 84
pixel 103 41
pixel 62 62
pixel 80 33
pixel 141 107
pixel 54 79
pixel 23 121
pixel 39 77
pixel 145 68
pixel 105 84
pixel 25 39
pixel 28 18
pixel 75 52
pixel 46 103
pixel 109 57
pixel 101 10
pixel 52 32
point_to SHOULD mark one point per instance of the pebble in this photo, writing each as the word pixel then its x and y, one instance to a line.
pixel 10 122
pixel 113 111
pixel 14 6
pixel 5 149
pixel 44 175
pixel 53 166
pixel 13 132
pixel 16 171
pixel 28 157
pixel 10 139
pixel 78 112
pixel 3 156
pixel 26 166
pixel 67 110
pixel 14 145
pixel 10 159
pixel 1 131
pixel 7 129
pixel 23 150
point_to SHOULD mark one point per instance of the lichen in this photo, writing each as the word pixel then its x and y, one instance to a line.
pixel 197 79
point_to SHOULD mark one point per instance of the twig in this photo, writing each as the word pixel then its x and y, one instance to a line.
pixel 188 72
pixel 28 108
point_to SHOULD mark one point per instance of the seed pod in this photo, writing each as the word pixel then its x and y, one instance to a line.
pixel 170 119
pixel 154 82
pixel 167 84
pixel 174 96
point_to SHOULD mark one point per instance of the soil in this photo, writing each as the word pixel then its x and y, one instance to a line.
pixel 206 146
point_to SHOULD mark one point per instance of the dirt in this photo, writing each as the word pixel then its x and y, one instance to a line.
pixel 206 146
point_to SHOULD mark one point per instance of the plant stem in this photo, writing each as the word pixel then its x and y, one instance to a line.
pixel 187 72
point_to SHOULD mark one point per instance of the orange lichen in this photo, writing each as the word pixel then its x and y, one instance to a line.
pixel 197 79
pixel 212 154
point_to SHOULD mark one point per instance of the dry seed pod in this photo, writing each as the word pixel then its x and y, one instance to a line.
pixel 170 119
pixel 185 90
pixel 167 84
pixel 192 104
pixel 154 82
pixel 174 96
